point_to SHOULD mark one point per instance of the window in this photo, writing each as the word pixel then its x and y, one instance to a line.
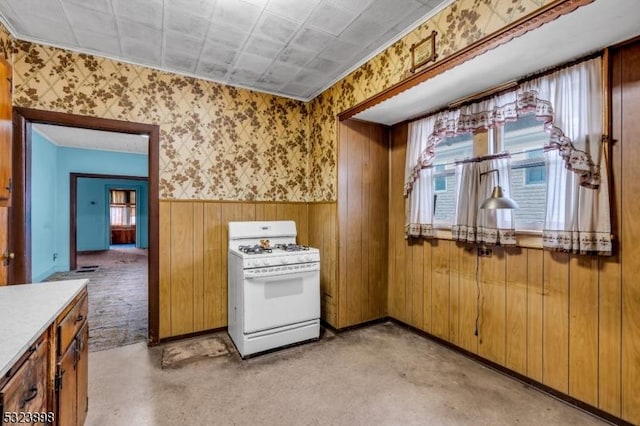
pixel 447 153
pixel 440 178
pixel 535 174
pixel 122 207
pixel 525 140
pixel 567 100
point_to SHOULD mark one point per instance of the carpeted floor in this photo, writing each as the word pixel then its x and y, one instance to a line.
pixel 118 296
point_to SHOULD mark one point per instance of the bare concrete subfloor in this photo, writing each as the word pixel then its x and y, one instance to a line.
pixel 379 375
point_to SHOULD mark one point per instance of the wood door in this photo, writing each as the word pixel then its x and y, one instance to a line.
pixel 66 395
pixel 82 368
pixel 5 166
pixel 5 133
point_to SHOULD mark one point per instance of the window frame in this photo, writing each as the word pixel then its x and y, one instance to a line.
pixel 129 205
pixel 491 142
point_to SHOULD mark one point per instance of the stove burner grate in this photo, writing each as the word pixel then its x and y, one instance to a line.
pixel 291 247
pixel 255 249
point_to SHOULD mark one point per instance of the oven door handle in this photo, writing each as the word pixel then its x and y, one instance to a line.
pixel 288 273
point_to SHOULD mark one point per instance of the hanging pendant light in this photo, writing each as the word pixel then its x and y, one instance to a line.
pixel 497 200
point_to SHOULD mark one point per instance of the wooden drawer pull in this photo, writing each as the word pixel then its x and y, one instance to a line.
pixel 33 392
pixel 79 318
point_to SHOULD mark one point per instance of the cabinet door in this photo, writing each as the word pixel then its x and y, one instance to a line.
pixel 26 391
pixel 82 368
pixel 70 326
pixel 67 402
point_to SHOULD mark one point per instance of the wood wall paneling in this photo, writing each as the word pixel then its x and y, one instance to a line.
pixel 535 309
pixel 193 257
pixel 454 290
pixel 516 310
pixel 583 329
pixel 415 285
pixel 165 270
pixel 322 234
pixel 609 336
pixel 492 324
pixel 378 224
pixel 351 226
pixel 343 185
pixel 555 327
pixel 397 243
pixel 470 297
pixel 629 76
pixel 198 267
pixel 182 270
pixel 432 299
pixel 215 276
pixel 610 278
pixel 440 303
pixel 362 222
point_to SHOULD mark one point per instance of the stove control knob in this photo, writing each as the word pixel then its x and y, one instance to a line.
pixel 249 264
pixel 284 260
pixel 300 259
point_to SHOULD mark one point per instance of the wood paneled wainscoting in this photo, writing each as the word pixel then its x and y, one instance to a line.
pixel 193 256
pixel 571 323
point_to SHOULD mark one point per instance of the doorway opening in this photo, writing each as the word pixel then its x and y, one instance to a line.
pixel 22 210
pixel 108 242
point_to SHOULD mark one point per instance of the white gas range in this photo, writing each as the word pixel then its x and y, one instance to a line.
pixel 274 287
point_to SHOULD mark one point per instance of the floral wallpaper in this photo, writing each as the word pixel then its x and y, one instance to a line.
pixel 458 25
pixel 5 43
pixel 217 142
pixel 224 143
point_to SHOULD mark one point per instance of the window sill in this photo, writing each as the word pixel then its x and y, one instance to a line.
pixel 526 239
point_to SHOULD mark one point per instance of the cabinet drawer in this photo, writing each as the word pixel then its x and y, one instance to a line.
pixel 26 391
pixel 72 323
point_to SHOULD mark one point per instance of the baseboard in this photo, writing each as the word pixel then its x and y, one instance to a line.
pixel 369 323
pixel 576 403
pixel 43 276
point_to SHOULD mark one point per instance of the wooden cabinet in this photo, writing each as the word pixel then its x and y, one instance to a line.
pixel 44 353
pixel 71 379
pixel 25 391
pixel 123 234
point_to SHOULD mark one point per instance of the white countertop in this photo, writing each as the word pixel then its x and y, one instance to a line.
pixel 27 310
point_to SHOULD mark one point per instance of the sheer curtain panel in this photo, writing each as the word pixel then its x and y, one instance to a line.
pixel 418 188
pixel 577 218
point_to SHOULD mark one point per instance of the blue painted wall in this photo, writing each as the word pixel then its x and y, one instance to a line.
pixel 53 164
pixel 93 212
pixel 43 207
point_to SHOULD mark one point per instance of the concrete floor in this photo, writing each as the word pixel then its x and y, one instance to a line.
pixel 379 375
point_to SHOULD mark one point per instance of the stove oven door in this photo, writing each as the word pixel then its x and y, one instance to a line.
pixel 279 299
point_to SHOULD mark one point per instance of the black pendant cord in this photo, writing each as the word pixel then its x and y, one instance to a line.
pixel 477 293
